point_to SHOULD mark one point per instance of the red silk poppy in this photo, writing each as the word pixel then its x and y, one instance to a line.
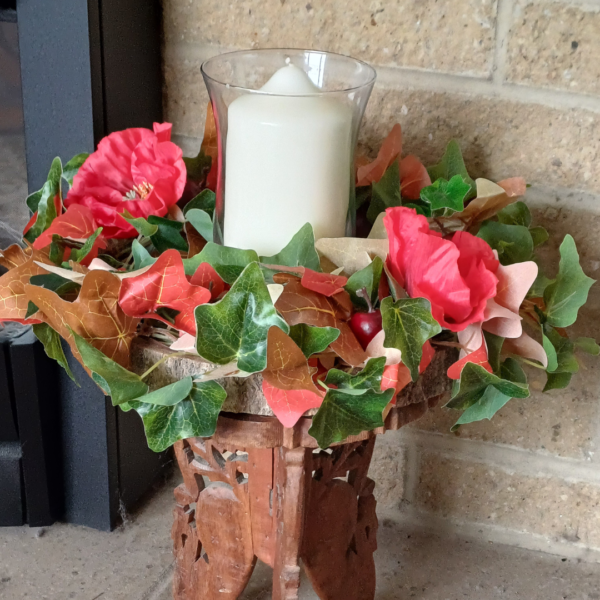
pixel 135 170
pixel 456 275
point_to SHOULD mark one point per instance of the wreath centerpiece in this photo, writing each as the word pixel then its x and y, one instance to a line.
pixel 120 246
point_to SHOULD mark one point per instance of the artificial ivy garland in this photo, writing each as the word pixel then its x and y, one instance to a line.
pixel 341 327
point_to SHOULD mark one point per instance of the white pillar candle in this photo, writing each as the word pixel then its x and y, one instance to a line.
pixel 287 163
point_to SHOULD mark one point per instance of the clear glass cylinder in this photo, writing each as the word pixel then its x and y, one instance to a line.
pixel 287 123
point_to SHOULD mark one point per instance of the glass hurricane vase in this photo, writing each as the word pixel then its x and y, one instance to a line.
pixel 287 123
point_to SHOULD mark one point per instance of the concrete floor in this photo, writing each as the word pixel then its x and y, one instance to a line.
pixel 134 563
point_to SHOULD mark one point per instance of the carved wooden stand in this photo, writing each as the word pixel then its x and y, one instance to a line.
pixel 257 490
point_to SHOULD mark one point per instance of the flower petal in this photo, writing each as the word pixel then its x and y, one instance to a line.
pixel 527 347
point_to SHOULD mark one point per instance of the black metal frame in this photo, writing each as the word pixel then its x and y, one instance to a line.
pixel 88 68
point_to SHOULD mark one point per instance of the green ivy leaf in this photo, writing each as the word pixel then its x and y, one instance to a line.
pixel 539 236
pixel 446 197
pixel 557 381
pixel 235 328
pixel 206 200
pixel 56 283
pixel 42 201
pixel 227 262
pixel 299 252
pixel 368 378
pixel 57 249
pixel 198 167
pixel 511 370
pixel 588 345
pixel 367 278
pixel 550 353
pixel 513 242
pixel 539 285
pixel 408 324
pixel 485 408
pixel 194 416
pixel 343 414
pixel 494 345
pixel 78 254
pixel 475 380
pixel 142 226
pixel 169 395
pixel 385 192
pixel 452 164
pixel 202 222
pixel 116 381
pixel 31 309
pixel 53 347
pixel 363 194
pixel 141 256
pixel 72 167
pixel 311 339
pixel 168 235
pixel 563 358
pixel 515 214
pixel 422 208
pixel 569 291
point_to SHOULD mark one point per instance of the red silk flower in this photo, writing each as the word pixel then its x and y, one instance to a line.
pixel 135 170
pixel 457 275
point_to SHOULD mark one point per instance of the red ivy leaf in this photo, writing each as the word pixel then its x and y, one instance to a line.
pixel 76 224
pixel 323 283
pixel 390 150
pixel 208 278
pixel 479 357
pixel 290 405
pixel 398 376
pixel 413 177
pixel 163 285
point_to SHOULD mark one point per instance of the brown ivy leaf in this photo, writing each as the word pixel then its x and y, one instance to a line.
pixel 344 303
pixel 210 139
pixel 78 267
pixel 13 298
pixel 195 241
pixel 95 315
pixel 299 305
pixel 287 367
pixel 14 256
pixel 491 199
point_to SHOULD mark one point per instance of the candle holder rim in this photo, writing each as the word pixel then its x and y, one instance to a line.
pixel 371 80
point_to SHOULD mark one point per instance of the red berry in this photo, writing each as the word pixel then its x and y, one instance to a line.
pixel 366 326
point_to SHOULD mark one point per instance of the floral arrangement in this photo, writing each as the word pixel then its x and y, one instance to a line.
pixel 341 327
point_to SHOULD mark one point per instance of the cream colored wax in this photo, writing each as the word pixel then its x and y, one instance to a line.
pixel 287 163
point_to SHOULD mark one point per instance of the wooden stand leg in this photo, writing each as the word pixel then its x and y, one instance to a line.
pixel 280 505
pixel 341 524
pixel 290 490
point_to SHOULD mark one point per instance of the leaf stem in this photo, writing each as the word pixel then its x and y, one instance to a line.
pixel 162 360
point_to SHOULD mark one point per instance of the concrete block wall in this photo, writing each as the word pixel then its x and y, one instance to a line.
pixel 518 83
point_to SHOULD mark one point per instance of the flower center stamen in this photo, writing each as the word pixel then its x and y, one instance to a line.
pixel 139 192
